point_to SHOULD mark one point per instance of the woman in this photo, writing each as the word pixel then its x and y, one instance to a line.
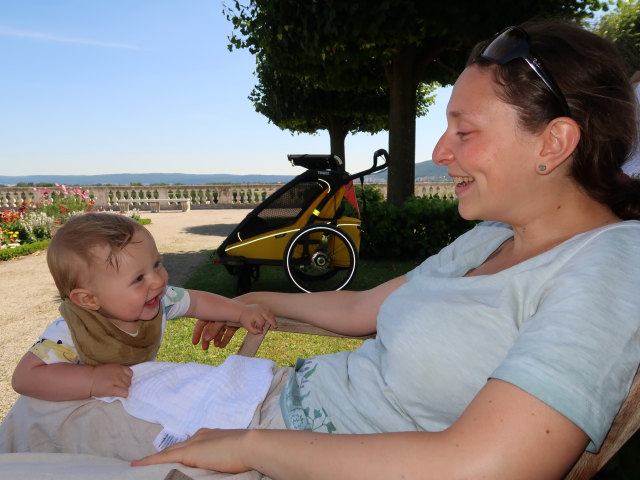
pixel 509 352
pixel 530 303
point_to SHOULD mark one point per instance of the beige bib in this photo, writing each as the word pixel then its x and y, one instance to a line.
pixel 98 341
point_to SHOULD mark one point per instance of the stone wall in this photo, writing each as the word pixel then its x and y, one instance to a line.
pixel 200 196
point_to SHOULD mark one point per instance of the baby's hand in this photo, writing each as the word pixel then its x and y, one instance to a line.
pixel 111 380
pixel 254 317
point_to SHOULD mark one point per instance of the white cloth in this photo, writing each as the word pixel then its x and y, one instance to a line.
pixel 80 439
pixel 184 397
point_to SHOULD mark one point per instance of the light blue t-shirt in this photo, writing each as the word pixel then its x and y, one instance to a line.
pixel 564 326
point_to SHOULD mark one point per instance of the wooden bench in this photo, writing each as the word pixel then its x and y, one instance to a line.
pixel 251 343
pixel 154 203
pixel 625 425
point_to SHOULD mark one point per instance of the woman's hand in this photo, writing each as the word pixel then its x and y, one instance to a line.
pixel 218 450
pixel 217 332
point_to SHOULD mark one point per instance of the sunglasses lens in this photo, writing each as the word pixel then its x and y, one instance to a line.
pixel 513 43
pixel 507 46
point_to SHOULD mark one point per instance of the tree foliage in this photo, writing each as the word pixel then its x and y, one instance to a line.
pixel 622 27
pixel 398 43
pixel 301 107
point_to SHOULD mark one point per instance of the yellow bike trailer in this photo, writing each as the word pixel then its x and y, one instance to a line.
pixel 301 226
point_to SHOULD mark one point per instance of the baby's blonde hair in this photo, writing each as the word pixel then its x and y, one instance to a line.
pixel 70 253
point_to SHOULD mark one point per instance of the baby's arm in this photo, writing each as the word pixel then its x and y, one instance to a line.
pixel 216 308
pixel 68 381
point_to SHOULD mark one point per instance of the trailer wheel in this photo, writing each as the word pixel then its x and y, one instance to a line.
pixel 320 258
pixel 244 277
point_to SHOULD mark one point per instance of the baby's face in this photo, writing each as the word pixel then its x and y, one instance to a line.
pixel 132 291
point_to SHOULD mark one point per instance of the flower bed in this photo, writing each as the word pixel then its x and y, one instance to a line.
pixel 29 227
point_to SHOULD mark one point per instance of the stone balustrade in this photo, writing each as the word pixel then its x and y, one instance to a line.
pixel 173 197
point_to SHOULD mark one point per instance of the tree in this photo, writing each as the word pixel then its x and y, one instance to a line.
pixel 400 43
pixel 622 27
pixel 298 106
pixel 301 107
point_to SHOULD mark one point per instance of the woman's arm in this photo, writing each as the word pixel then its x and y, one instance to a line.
pixel 504 433
pixel 68 381
pixel 344 312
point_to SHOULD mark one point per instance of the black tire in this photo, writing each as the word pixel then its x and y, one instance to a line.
pixel 320 258
pixel 244 277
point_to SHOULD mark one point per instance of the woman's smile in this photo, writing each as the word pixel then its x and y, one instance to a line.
pixel 462 184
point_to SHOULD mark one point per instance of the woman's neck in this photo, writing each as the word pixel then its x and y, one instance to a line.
pixel 560 222
pixel 544 233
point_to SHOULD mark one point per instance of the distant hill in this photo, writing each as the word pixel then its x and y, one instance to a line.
pixel 430 172
pixel 425 171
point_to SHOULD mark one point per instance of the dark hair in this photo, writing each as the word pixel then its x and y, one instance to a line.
pixel 592 76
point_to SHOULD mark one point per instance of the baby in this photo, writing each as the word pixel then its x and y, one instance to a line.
pixel 115 302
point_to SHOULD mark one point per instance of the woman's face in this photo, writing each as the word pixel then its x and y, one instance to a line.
pixel 489 157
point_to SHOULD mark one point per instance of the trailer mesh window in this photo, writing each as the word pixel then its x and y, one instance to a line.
pixel 283 208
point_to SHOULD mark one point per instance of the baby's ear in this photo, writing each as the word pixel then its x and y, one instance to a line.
pixel 84 298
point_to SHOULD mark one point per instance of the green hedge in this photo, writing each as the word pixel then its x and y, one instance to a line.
pixel 421 227
pixel 27 249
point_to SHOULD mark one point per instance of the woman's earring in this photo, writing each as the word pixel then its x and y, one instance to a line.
pixel 542 167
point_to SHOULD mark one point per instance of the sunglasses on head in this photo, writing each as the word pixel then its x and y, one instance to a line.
pixel 512 43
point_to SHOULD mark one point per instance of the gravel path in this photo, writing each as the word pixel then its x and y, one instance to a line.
pixel 29 297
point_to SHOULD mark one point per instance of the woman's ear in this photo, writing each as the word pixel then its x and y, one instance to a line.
pixel 84 298
pixel 560 139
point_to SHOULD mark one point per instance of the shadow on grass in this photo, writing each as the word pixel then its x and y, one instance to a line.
pixel 183 265
pixel 215 278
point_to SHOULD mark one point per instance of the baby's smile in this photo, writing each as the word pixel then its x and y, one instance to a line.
pixel 153 302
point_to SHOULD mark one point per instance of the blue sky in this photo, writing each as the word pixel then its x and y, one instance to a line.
pixel 124 86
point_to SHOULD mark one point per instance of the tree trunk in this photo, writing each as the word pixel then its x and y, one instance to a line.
pixel 338 130
pixel 402 126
